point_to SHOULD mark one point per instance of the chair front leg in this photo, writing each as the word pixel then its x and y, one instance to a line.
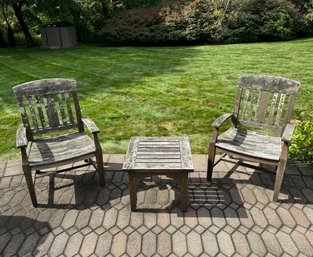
pixel 280 171
pixel 211 154
pixel 28 177
pixel 99 159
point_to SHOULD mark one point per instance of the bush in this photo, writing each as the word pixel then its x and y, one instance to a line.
pixel 301 148
pixel 194 21
pixel 207 21
pixel 259 20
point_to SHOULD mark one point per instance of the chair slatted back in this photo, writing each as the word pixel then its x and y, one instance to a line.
pixel 265 102
pixel 49 105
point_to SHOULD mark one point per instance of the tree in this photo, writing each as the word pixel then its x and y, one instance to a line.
pixel 17 7
pixel 2 41
pixel 4 4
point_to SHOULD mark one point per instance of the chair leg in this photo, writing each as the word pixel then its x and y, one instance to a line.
pixel 100 168
pixel 211 158
pixel 30 184
pixel 279 178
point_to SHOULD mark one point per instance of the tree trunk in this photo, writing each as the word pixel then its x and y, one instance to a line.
pixel 11 38
pixel 2 41
pixel 17 7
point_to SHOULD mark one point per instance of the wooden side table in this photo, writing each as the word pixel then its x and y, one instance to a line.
pixel 147 156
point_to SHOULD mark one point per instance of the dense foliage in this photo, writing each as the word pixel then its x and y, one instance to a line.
pixel 211 21
pixel 160 22
pixel 301 148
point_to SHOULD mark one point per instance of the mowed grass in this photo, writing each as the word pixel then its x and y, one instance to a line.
pixel 152 91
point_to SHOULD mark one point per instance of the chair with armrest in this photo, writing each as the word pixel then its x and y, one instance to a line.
pixel 260 129
pixel 51 106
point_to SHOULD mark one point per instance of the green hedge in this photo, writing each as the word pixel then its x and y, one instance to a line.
pixel 208 21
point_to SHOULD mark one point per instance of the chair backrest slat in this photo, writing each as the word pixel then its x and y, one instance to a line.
pixel 272 109
pixel 257 103
pixel 32 111
pixel 52 101
pixel 245 103
pixel 51 111
pixel 60 101
pixel 252 103
pixel 280 109
pixel 69 108
pixel 40 112
pixel 262 101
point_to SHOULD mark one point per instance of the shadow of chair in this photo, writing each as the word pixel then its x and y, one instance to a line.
pixel 52 133
pixel 261 129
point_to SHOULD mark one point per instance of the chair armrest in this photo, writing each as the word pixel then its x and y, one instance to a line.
pixel 21 138
pixel 287 134
pixel 92 127
pixel 219 121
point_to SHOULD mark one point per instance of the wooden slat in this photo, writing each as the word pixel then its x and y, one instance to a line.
pixel 245 103
pixel 79 121
pixel 245 142
pixel 158 153
pixel 157 166
pixel 52 113
pixel 273 108
pixel 157 160
pixel 23 112
pixel 252 102
pixel 60 101
pixel 69 108
pixel 32 111
pixel 186 155
pixel 280 109
pixel 262 106
pixel 40 111
pixel 237 101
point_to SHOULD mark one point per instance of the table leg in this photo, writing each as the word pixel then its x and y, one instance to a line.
pixel 132 191
pixel 184 190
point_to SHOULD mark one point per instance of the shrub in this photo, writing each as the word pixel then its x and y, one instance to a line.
pixel 301 148
pixel 259 20
pixel 207 21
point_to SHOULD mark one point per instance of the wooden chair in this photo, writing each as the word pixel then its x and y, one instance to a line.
pixel 260 129
pixel 51 105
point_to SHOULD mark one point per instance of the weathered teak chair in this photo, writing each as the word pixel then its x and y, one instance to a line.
pixel 265 104
pixel 51 105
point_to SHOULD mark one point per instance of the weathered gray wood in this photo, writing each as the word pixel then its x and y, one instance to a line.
pixel 270 116
pixel 219 121
pixel 148 156
pixel 40 112
pixel 288 132
pixel 250 143
pixel 280 109
pixel 21 138
pixel 252 102
pixel 45 152
pixel 273 107
pixel 69 108
pixel 245 103
pixel 60 101
pixel 91 126
pixel 44 86
pixel 269 83
pixel 262 106
pixel 32 112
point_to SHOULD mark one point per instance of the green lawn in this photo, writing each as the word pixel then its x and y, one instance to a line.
pixel 152 90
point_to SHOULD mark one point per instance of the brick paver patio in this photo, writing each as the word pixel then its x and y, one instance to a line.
pixel 232 217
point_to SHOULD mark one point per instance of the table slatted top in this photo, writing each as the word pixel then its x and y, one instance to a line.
pixel 159 154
